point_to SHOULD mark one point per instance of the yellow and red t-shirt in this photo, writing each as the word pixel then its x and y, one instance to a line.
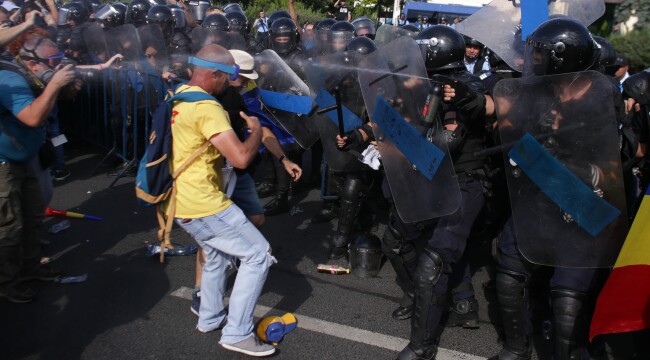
pixel 199 186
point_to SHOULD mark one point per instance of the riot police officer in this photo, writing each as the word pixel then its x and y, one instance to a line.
pixel 238 23
pixel 364 27
pixel 338 36
pixel 558 46
pixel 178 44
pixel 72 19
pixel 136 12
pixel 427 275
pixel 111 15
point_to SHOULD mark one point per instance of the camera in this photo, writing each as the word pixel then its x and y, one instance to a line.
pixel 81 74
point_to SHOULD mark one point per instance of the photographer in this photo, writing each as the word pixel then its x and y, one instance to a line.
pixel 30 90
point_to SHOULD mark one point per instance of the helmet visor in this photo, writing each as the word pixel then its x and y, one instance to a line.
pixel 542 58
pixel 179 15
pixel 64 17
pixel 105 12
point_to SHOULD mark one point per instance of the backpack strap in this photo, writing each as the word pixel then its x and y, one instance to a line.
pixel 166 219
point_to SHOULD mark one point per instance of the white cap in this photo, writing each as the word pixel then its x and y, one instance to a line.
pixel 246 64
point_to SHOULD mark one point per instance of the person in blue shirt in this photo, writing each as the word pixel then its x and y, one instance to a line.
pixel 28 93
pixel 474 62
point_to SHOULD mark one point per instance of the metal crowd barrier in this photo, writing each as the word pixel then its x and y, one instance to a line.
pixel 113 112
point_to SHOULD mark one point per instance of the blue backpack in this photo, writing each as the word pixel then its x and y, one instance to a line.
pixel 154 182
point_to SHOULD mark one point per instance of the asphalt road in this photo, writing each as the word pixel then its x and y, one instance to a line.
pixel 133 307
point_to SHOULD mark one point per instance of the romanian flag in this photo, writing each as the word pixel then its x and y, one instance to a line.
pixel 624 303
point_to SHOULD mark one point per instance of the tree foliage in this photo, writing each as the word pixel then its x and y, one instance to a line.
pixel 308 10
pixel 634 8
pixel 636 46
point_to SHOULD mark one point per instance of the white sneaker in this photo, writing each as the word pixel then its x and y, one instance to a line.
pixel 251 346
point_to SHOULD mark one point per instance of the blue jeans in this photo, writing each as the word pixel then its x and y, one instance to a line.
pixel 225 236
pixel 245 195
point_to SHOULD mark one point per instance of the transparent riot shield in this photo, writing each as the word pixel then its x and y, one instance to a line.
pixel 563 167
pixel 387 33
pixel 414 154
pixel 202 36
pixel 333 81
pixel 236 41
pixel 124 40
pixel 498 24
pixel 154 48
pixel 96 43
pixel 286 97
pixel 312 43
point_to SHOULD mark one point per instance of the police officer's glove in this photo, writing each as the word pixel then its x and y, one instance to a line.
pixel 352 138
pixel 464 96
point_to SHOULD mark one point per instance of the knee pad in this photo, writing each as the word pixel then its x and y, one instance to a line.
pixel 391 242
pixel 352 188
pixel 430 267
pixel 511 283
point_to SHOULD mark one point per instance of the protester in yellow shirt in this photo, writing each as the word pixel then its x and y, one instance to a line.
pixel 203 210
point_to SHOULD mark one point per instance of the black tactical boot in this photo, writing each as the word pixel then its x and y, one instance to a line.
pixel 265 189
pixel 464 313
pixel 405 309
pixel 339 246
pixel 570 325
pixel 279 205
pixel 513 302
pixel 422 344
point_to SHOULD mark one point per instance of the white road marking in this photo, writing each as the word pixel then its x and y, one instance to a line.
pixel 343 331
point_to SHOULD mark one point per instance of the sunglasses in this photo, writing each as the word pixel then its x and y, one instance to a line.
pixel 231 70
pixel 149 56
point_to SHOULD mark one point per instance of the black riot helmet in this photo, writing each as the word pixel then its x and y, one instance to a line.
pixel 75 12
pixel 362 45
pixel 324 24
pixel 179 17
pixel 88 4
pixel 111 15
pixel 136 12
pixel 338 36
pixel 232 7
pixel 364 27
pixel 558 46
pixel 471 41
pixel 279 14
pixel 637 87
pixel 366 256
pixel 198 8
pixel 607 56
pixel 284 36
pixel 238 22
pixel 442 47
pixel 96 4
pixel 162 15
pixel 215 22
pixel 411 28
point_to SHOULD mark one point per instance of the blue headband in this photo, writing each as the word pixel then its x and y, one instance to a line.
pixel 232 70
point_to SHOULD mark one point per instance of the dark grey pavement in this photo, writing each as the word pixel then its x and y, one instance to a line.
pixel 126 310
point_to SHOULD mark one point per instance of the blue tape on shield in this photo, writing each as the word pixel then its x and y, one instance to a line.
pixel 297 104
pixel 588 210
pixel 533 13
pixel 350 120
pixel 418 150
